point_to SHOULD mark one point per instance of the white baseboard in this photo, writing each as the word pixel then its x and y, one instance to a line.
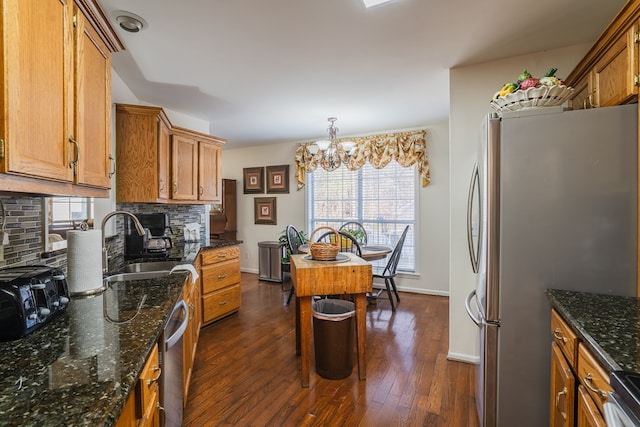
pixel 460 357
pixel 249 270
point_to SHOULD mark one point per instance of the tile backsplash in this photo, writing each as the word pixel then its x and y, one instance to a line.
pixel 24 226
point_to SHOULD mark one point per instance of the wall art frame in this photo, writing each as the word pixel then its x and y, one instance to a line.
pixel 265 210
pixel 253 180
pixel 278 179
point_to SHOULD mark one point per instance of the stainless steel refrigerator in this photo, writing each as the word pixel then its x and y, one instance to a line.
pixel 552 204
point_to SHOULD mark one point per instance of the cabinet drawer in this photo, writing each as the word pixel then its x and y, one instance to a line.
pixel 217 304
pixel 147 387
pixel 564 336
pixel 221 275
pixel 562 389
pixel 593 377
pixel 213 256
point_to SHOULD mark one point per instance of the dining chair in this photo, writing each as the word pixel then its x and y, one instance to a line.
pixel 355 229
pixel 294 241
pixel 388 273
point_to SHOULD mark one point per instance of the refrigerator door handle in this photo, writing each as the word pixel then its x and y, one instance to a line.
pixel 467 305
pixel 472 252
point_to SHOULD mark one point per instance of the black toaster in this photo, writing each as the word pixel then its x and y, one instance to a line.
pixel 30 297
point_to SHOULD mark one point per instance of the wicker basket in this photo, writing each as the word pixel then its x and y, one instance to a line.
pixel 324 251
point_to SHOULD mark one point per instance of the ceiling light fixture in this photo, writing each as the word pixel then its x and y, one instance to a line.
pixel 330 152
pixel 130 22
pixel 371 3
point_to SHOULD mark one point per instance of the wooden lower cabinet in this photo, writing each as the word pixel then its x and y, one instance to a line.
pixel 573 365
pixel 588 414
pixel 191 335
pixel 563 386
pixel 220 271
pixel 143 406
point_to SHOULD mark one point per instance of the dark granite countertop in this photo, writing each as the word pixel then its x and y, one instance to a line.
pixel 609 325
pixel 80 369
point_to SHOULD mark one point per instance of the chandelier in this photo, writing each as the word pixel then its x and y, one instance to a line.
pixel 331 153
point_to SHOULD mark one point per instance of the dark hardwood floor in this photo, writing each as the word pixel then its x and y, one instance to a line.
pixel 247 374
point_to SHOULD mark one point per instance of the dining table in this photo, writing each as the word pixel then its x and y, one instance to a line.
pixel 369 252
pixel 347 275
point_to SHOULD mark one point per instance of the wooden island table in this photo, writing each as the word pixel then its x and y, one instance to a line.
pixel 350 277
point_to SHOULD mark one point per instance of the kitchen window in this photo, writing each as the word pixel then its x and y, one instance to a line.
pixel 383 200
pixel 62 214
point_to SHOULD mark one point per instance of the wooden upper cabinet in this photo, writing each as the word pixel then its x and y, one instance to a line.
pixel 164 160
pixel 184 167
pixel 209 171
pixel 56 66
pixel 615 74
pixel 38 93
pixel 581 97
pixel 142 153
pixel 159 163
pixel 93 105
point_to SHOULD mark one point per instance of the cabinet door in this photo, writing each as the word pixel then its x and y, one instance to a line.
pixel 587 414
pixel 38 88
pixel 229 204
pixel 164 142
pixel 614 74
pixel 562 390
pixel 184 168
pixel 209 172
pixel 581 98
pixel 93 105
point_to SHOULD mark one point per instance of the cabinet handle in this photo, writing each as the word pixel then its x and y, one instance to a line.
pixel 113 166
pixel 73 164
pixel 162 185
pixel 222 276
pixel 201 190
pixel 561 393
pixel 588 383
pixel 222 302
pixel 557 334
pixel 157 377
pixel 175 187
pixel 222 255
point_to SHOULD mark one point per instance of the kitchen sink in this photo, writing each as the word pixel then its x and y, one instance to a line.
pixel 149 266
pixel 139 275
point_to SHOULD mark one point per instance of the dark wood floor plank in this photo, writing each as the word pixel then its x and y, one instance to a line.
pixel 247 374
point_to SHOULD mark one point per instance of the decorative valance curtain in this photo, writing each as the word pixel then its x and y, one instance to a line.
pixel 406 148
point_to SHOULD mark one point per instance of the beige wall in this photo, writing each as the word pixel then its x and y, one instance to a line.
pixel 471 89
pixel 432 229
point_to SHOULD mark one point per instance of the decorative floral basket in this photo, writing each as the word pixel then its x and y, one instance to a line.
pixel 535 97
pixel 324 251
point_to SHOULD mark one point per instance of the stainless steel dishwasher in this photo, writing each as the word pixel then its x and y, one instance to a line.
pixel 171 361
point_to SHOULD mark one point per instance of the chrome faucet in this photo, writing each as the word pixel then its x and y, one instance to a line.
pixel 136 223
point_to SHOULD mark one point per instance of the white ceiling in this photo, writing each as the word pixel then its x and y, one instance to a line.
pixel 264 71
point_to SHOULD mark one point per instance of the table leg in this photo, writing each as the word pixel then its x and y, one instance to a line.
pixel 305 338
pixel 361 334
pixel 297 302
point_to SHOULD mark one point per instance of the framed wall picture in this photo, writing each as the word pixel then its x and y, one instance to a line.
pixel 265 210
pixel 253 180
pixel 278 179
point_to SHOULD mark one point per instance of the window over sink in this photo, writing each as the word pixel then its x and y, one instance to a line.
pixel 62 214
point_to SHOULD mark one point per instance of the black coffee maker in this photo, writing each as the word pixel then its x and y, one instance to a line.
pixel 155 242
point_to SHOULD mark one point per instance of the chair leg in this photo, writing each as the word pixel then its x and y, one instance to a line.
pixel 395 290
pixel 386 283
pixel 290 294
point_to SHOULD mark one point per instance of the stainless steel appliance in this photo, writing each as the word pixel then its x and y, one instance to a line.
pixel 622 408
pixel 155 242
pixel 552 204
pixel 30 297
pixel 171 361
